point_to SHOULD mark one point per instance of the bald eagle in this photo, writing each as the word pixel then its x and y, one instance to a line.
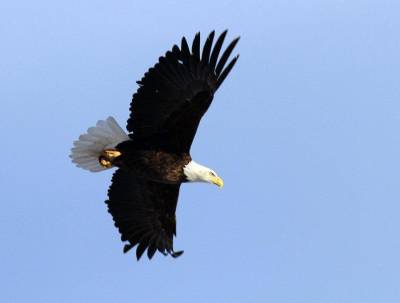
pixel 153 158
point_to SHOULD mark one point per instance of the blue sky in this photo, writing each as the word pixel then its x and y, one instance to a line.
pixel 305 133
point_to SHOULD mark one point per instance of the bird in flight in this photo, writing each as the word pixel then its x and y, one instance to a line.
pixel 153 158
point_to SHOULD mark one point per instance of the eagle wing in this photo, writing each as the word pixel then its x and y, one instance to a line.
pixel 174 94
pixel 144 213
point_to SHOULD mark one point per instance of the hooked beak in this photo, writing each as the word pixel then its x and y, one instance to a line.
pixel 217 181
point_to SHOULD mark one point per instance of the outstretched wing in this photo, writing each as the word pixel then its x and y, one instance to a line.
pixel 176 92
pixel 144 213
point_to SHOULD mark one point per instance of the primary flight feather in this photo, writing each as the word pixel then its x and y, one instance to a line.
pixel 153 159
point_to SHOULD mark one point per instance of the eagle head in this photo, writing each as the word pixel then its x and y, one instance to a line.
pixel 195 172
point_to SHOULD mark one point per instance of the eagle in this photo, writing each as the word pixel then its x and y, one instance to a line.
pixel 152 159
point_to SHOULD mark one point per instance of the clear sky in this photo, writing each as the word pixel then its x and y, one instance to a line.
pixel 305 133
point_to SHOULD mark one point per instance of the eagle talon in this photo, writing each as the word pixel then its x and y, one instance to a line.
pixel 108 156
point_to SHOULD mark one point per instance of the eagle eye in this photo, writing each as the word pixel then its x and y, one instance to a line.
pixel 212 174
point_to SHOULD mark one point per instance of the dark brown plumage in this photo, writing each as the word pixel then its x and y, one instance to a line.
pixel 143 212
pixel 165 113
pixel 176 92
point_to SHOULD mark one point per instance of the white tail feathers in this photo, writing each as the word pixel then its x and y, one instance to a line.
pixel 86 150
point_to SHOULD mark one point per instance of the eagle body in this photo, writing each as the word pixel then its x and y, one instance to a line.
pixel 155 165
pixel 153 159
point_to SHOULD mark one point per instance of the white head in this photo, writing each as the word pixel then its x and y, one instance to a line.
pixel 195 172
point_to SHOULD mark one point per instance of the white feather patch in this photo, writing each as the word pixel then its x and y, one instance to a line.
pixel 196 172
pixel 87 149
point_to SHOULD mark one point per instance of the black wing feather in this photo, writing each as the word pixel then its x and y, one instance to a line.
pixel 225 56
pixel 216 50
pixel 185 52
pixel 196 47
pixel 205 57
pixel 226 71
pixel 175 93
pixel 144 212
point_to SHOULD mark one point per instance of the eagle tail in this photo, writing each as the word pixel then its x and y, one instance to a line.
pixel 88 148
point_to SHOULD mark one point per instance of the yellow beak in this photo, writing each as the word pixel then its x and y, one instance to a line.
pixel 217 181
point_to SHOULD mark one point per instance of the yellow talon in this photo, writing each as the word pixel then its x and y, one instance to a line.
pixel 107 157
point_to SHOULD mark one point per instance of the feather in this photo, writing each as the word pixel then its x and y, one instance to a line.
pixel 104 125
pixel 127 248
pixel 176 254
pixel 152 247
pixel 185 52
pixel 225 56
pixel 196 47
pixel 205 57
pixel 170 65
pixel 226 71
pixel 216 50
pixel 116 130
pixel 87 149
pixel 177 52
pixel 141 249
